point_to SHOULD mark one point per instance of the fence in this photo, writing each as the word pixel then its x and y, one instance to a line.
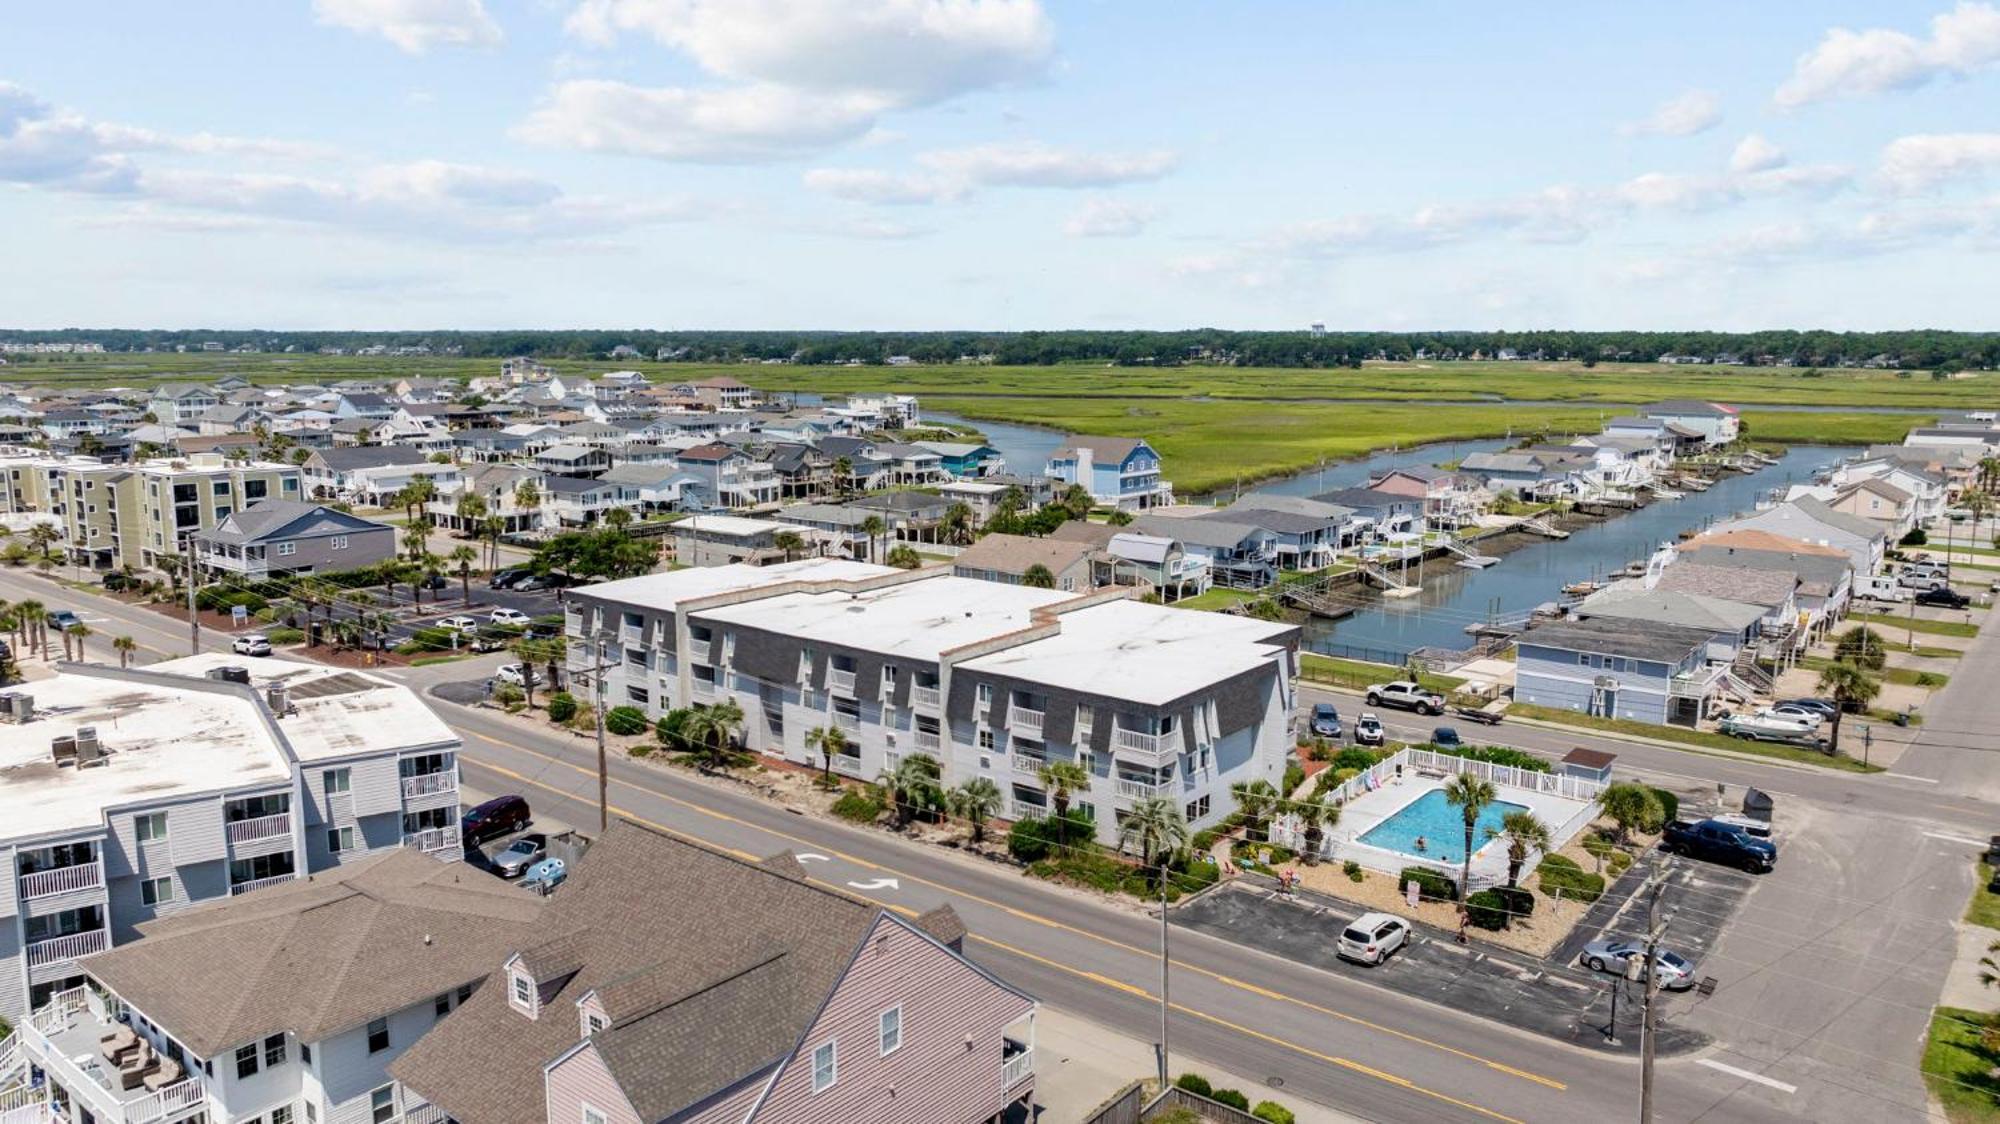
pixel 1121 1109
pixel 1131 1107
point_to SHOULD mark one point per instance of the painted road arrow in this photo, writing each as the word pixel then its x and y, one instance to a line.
pixel 877 884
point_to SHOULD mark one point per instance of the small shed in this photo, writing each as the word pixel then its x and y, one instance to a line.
pixel 1589 764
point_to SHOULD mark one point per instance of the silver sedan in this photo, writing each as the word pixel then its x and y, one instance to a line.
pixel 1676 972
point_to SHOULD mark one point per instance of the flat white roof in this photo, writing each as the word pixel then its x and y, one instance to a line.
pixel 732 525
pixel 664 591
pixel 163 743
pixel 972 487
pixel 336 712
pixel 914 620
pixel 1150 654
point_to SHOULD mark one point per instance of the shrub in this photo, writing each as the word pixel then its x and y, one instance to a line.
pixel 431 639
pixel 1295 775
pixel 1517 902
pixel 1494 755
pixel 857 806
pixel 643 749
pixel 1354 757
pixel 1352 869
pixel 1618 863
pixel 1195 1083
pixel 625 721
pixel 584 720
pixel 1861 647
pixel 1026 842
pixel 1232 1098
pixel 282 636
pixel 1561 875
pixel 506 694
pixel 1278 854
pixel 1203 842
pixel 1486 910
pixel 562 706
pixel 1916 537
pixel 1670 805
pixel 1430 884
pixel 1273 1113
pixel 1599 845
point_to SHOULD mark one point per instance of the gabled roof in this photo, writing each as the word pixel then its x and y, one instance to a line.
pixel 710 452
pixel 1360 498
pixel 1878 486
pixel 1209 532
pixel 573 485
pixel 640 475
pixel 1687 407
pixel 1102 449
pixel 1749 539
pixel 1630 601
pixel 1015 554
pixel 1635 639
pixel 1840 520
pixel 271 519
pixel 369 456
pixel 1769 588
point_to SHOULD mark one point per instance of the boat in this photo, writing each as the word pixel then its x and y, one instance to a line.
pixel 1581 589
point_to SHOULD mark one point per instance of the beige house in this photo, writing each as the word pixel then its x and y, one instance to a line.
pixel 1008 558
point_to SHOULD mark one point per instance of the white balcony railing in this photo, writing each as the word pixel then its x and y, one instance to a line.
pixel 1017 1069
pixel 1029 765
pixel 847 722
pixel 929 741
pixel 425 1113
pixel 1027 723
pixel 263 827
pixel 698 650
pixel 847 765
pixel 429 784
pixel 1155 748
pixel 62 880
pixel 180 1099
pixel 259 883
pixel 704 688
pixel 57 949
pixel 432 839
pixel 1141 790
pixel 926 698
pixel 840 681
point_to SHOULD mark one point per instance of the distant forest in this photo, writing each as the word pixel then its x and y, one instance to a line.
pixel 1909 350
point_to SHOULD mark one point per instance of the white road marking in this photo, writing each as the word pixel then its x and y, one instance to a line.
pixel 1910 777
pixel 813 856
pixel 1954 839
pixel 1749 1076
pixel 877 884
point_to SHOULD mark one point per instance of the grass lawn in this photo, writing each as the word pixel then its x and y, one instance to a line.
pixel 1902 623
pixel 1899 675
pixel 1359 674
pixel 1984 909
pixel 1218 598
pixel 1958 1071
pixel 1803 428
pixel 1686 736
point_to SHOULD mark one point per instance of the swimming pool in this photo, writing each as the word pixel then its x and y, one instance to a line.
pixel 1441 826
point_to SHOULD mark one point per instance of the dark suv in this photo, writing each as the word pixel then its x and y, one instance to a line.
pixel 1943 597
pixel 498 816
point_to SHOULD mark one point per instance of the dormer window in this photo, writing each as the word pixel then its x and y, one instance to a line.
pixel 521 992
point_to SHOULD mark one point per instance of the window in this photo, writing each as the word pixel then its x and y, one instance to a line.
pixel 524 991
pixel 890 1026
pixel 823 1067
pixel 441 1006
pixel 246 1061
pixel 339 839
pixel 337 780
pixel 985 696
pixel 464 993
pixel 282 1114
pixel 594 1022
pixel 153 891
pixel 339 542
pixel 592 1115
pixel 274 1050
pixel 221 487
pixel 1196 809
pixel 312 1114
pixel 382 1105
pixel 255 489
pixel 287 549
pixel 306 1058
pixel 378 1036
pixel 638 695
pixel 293 486
pixel 986 740
pixel 149 827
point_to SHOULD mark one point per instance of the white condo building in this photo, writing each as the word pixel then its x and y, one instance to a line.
pixel 994 680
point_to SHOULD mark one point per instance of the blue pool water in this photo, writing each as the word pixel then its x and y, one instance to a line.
pixel 1441 826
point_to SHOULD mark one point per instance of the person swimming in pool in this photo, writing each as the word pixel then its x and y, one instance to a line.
pixel 1421 845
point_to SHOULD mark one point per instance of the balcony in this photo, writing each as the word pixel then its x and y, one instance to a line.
pixel 848 722
pixel 1028 764
pixel 430 784
pixel 704 688
pixel 63 1039
pixel 236 888
pixel 57 949
pixel 62 880
pixel 1025 722
pixel 847 765
pixel 1017 1068
pixel 1143 790
pixel 929 741
pixel 425 1113
pixel 698 650
pixel 925 698
pixel 263 827
pixel 1140 746
pixel 840 681
pixel 432 839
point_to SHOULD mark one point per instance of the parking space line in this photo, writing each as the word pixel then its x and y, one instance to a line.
pixel 1954 838
pixel 1749 1076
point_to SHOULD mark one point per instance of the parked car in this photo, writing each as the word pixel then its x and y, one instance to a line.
pixel 1674 971
pixel 1811 716
pixel 62 620
pixel 1718 842
pixel 459 624
pixel 518 674
pixel 1405 695
pixel 534 583
pixel 494 818
pixel 1944 597
pixel 545 875
pixel 1368 730
pixel 521 854
pixel 1921 580
pixel 1446 736
pixel 1372 937
pixel 505 615
pixel 1825 708
pixel 505 579
pixel 1325 721
pixel 251 645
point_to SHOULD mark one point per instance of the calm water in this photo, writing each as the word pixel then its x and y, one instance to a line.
pixel 1454 597
pixel 1431 817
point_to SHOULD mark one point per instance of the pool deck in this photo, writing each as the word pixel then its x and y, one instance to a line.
pixel 1365 812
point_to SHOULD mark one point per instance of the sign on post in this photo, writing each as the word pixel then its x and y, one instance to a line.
pixel 238 614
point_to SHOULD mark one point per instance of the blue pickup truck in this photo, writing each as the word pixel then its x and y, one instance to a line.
pixel 1718 842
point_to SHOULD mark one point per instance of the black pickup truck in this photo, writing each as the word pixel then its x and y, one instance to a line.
pixel 1718 842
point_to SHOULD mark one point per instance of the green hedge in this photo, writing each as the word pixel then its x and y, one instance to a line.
pixel 1195 1083
pixel 1486 909
pixel 1560 873
pixel 1232 1098
pixel 1356 758
pixel 562 706
pixel 282 636
pixel 1670 804
pixel 858 806
pixel 625 721
pixel 1273 1113
pixel 1518 903
pixel 1430 884
pixel 1494 755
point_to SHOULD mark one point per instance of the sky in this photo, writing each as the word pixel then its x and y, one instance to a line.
pixel 999 164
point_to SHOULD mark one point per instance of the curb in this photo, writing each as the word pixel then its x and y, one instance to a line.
pixel 1683 747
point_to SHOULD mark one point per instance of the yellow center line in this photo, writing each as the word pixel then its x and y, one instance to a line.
pixel 1241 985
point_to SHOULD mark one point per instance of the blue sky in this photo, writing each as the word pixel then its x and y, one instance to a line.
pixel 999 164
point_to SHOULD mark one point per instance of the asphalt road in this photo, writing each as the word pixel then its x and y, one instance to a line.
pixel 1826 964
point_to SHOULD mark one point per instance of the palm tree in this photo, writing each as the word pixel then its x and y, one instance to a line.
pixel 34 618
pixel 124 646
pixel 1851 689
pixel 903 556
pixel 829 741
pixel 1470 795
pixel 789 542
pixel 1525 834
pixel 1077 501
pixel 77 632
pixel 713 730
pixel 1154 825
pixel 491 530
pixel 956 526
pixel 873 528
pixel 1119 517
pixel 1629 805
pixel 618 518
pixel 913 783
pixel 1256 800
pixel 975 802
pixel 1038 576
pixel 843 475
pixel 471 511
pixel 465 556
pixel 528 498
pixel 414 496
pixel 416 540
pixel 43 536
pixel 1063 779
pixel 1315 814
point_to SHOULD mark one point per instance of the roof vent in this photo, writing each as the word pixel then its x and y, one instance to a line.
pixel 63 748
pixel 230 673
pixel 278 699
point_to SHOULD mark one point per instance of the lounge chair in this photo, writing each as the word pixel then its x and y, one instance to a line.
pixel 136 1066
pixel 167 1073
pixel 118 1043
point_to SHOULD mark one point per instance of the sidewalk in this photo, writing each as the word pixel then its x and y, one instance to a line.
pixel 1080 1064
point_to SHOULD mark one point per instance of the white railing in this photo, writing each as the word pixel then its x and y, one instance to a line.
pixel 1140 790
pixel 425 1113
pixel 10 1056
pixel 698 650
pixel 57 949
pixel 840 681
pixel 1017 1069
pixel 846 765
pixel 848 722
pixel 38 1111
pixel 432 839
pixel 1153 749
pixel 429 784
pixel 62 880
pixel 1025 722
pixel 927 697
pixel 1028 765
pixel 179 1099
pixel 704 688
pixel 259 883
pixel 263 827
pixel 928 740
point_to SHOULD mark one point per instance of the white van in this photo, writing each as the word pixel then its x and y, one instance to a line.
pixel 1880 589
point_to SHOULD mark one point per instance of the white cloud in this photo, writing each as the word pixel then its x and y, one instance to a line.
pixel 1918 163
pixel 866 185
pixel 1755 154
pixel 1683 116
pixel 1029 164
pixel 803 75
pixel 1109 218
pixel 1848 63
pixel 415 26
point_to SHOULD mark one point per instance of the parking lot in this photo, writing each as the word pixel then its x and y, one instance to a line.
pixel 482 856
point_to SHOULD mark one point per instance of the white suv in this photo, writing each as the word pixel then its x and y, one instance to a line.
pixel 1371 937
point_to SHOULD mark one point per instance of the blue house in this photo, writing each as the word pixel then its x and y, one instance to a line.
pixel 1639 670
pixel 1120 472
pixel 965 461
